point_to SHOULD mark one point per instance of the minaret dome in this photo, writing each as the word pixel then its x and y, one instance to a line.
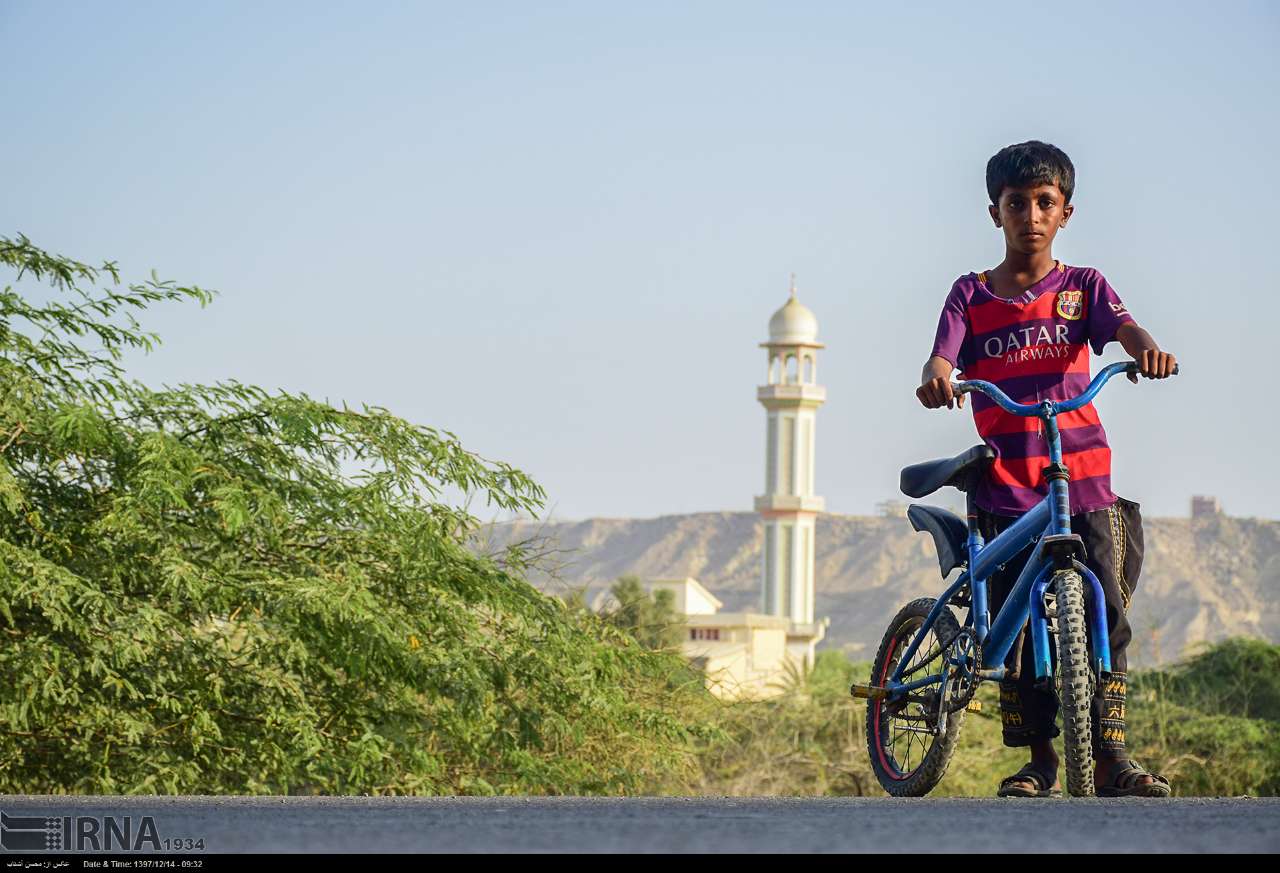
pixel 793 323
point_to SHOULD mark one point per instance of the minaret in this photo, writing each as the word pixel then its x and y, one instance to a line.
pixel 788 505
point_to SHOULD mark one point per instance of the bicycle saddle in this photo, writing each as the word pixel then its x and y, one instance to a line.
pixel 960 472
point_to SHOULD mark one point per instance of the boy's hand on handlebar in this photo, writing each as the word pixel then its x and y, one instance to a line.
pixel 1154 364
pixel 937 392
pixel 1145 351
pixel 935 385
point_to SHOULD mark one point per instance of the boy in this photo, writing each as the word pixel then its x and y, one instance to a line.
pixel 1026 326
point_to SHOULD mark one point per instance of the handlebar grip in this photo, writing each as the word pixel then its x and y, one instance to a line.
pixel 1132 367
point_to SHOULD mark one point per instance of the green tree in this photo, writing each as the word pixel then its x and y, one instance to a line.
pixel 195 597
pixel 650 618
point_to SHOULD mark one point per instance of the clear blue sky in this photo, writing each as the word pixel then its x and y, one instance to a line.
pixel 559 229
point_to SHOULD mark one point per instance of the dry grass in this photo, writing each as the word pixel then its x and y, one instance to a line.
pixel 1212 724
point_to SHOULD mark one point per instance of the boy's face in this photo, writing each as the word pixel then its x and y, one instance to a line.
pixel 1031 216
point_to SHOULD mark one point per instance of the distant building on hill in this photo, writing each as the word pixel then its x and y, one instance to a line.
pixel 892 509
pixel 1203 506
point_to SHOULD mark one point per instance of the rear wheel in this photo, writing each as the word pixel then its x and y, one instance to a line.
pixel 1075 682
pixel 908 754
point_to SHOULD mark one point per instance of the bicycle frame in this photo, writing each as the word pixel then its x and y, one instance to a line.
pixel 1051 517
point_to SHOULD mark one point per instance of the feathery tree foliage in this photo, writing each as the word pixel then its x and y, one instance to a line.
pixel 194 596
pixel 650 618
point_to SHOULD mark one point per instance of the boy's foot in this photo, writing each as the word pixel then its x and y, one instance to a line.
pixel 1031 781
pixel 1122 777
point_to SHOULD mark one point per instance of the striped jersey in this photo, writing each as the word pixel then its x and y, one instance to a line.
pixel 1034 347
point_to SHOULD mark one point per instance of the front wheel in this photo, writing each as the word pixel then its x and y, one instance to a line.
pixel 908 753
pixel 1075 682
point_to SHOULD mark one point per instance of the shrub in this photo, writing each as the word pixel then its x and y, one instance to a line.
pixel 196 597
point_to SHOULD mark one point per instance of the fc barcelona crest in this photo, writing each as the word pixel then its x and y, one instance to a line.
pixel 1071 304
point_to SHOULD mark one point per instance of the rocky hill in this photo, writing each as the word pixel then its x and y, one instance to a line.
pixel 1203 579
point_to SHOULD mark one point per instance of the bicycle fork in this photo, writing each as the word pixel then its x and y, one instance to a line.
pixel 1096 613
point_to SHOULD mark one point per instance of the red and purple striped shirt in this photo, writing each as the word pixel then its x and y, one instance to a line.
pixel 1034 347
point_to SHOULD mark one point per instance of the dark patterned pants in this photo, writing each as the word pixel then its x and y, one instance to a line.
pixel 1113 551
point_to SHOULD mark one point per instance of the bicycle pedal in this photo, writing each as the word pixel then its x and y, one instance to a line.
pixel 868 692
pixel 973 706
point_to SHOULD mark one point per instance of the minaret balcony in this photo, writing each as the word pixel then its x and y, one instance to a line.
pixel 790 503
pixel 813 631
pixel 785 394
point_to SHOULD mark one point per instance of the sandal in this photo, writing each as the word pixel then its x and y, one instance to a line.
pixel 1123 782
pixel 1045 784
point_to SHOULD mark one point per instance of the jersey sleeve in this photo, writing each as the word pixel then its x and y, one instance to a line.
pixel 1106 312
pixel 953 327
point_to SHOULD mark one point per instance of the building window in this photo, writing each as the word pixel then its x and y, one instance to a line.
pixel 705 633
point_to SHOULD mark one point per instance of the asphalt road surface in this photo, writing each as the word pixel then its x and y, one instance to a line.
pixel 380 824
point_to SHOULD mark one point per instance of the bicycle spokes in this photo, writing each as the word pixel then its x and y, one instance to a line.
pixel 910 722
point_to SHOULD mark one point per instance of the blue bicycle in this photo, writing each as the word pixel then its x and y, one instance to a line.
pixel 929 665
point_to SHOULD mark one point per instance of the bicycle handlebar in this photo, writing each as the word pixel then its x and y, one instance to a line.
pixel 1055 407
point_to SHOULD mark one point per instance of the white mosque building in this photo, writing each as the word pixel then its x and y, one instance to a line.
pixel 751 654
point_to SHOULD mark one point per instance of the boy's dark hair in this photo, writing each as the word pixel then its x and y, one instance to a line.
pixel 1027 163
